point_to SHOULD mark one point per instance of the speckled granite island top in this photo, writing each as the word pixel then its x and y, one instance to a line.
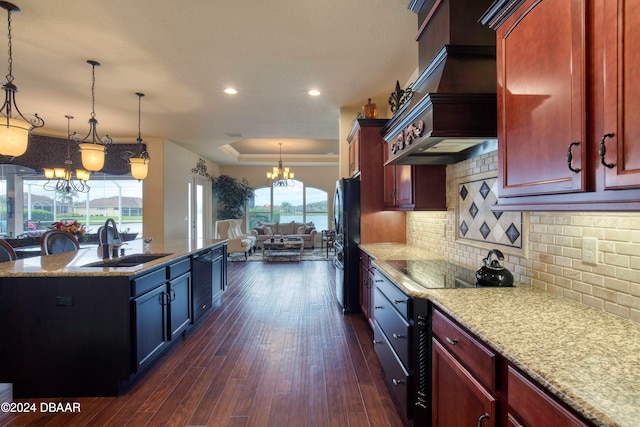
pixel 72 263
pixel 587 358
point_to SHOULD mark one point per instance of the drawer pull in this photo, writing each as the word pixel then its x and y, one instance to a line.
pixel 398 301
pixel 397 382
pixel 378 280
pixel 376 342
pixel 452 341
pixel 398 337
pixel 377 307
pixel 482 417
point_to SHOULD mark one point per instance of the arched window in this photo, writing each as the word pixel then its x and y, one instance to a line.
pixel 283 204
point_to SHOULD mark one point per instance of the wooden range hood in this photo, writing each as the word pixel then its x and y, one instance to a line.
pixel 452 114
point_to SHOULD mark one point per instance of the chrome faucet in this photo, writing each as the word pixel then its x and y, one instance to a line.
pixel 110 243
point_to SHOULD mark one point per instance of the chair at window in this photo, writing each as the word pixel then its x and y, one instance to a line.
pixel 6 252
pixel 328 238
pixel 57 241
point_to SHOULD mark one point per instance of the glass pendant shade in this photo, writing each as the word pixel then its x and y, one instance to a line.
pixel 139 167
pixel 14 137
pixel 49 173
pixel 92 156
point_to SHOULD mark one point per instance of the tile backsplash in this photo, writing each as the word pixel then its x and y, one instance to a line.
pixel 551 259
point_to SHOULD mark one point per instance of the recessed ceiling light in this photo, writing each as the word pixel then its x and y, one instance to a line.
pixel 230 91
pixel 314 92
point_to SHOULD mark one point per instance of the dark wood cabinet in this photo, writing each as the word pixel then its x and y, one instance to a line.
pixel 366 287
pixel 392 338
pixel 151 324
pixel 530 406
pixel 180 307
pixel 398 187
pixel 567 105
pixel 376 226
pixel 354 154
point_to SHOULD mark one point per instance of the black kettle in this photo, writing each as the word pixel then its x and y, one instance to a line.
pixel 493 272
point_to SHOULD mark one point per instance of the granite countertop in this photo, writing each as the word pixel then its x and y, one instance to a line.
pixel 587 358
pixel 71 263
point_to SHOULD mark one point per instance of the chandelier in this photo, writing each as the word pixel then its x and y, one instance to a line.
pixel 14 131
pixel 139 161
pixel 64 175
pixel 92 147
pixel 279 176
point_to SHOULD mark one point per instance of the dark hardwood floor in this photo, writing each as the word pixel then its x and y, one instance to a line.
pixel 277 352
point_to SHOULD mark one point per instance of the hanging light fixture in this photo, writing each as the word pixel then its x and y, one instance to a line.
pixel 139 160
pixel 92 147
pixel 279 176
pixel 14 131
pixel 64 175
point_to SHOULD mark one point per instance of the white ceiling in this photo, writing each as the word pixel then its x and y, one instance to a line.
pixel 182 54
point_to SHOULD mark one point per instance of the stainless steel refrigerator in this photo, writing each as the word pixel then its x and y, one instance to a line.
pixel 346 221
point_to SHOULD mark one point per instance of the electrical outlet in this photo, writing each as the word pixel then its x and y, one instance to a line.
pixel 590 250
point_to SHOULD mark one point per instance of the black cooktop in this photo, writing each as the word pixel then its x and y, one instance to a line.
pixel 436 274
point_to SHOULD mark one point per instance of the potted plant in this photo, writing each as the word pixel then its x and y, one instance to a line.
pixel 232 196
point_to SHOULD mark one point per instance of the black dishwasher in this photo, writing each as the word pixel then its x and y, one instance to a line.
pixel 208 272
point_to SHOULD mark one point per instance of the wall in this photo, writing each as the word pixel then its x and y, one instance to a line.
pixel 165 201
pixel 552 256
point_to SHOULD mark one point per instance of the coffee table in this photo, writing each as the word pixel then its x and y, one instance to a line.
pixel 291 247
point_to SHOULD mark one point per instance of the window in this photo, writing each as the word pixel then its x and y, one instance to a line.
pixel 284 204
pixel 110 197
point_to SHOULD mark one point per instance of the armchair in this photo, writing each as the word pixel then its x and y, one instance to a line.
pixel 236 240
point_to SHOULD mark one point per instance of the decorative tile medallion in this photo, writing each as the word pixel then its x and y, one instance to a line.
pixel 476 220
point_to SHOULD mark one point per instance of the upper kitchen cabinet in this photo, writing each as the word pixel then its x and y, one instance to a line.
pixel 566 104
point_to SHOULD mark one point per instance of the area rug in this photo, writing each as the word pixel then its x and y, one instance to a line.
pixel 307 255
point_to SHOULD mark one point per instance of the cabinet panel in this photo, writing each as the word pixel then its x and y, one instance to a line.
pixel 366 288
pixel 458 398
pixel 542 98
pixel 180 304
pixel 622 94
pixel 396 376
pixel 394 326
pixel 150 319
pixel 534 408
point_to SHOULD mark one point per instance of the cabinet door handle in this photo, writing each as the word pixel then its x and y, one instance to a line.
pixel 397 382
pixel 603 151
pixel 172 295
pixel 452 341
pixel 398 337
pixel 570 157
pixel 482 417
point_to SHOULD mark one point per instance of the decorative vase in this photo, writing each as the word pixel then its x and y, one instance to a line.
pixel 370 111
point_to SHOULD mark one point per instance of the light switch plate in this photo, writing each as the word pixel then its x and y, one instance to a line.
pixel 590 250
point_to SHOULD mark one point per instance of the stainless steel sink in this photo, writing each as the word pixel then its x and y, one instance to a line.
pixel 127 261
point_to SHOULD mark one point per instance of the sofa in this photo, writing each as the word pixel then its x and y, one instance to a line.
pixel 237 241
pixel 305 231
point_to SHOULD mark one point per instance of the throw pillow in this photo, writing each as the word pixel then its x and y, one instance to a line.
pixel 259 230
pixel 309 230
pixel 302 229
pixel 267 230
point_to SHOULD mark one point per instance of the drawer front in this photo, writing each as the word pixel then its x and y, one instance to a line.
pixel 394 326
pixel 476 357
pixel 180 267
pixel 142 284
pixel 533 406
pixel 396 377
pixel 398 298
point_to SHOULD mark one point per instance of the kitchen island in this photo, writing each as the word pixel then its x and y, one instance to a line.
pixel 68 329
pixel 585 358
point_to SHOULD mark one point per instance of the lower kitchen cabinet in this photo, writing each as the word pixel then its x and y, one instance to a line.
pixel 179 303
pixel 366 287
pixel 150 319
pixel 530 406
pixel 392 338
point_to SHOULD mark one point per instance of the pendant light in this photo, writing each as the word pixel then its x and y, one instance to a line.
pixel 14 131
pixel 280 176
pixel 64 175
pixel 139 161
pixel 92 147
